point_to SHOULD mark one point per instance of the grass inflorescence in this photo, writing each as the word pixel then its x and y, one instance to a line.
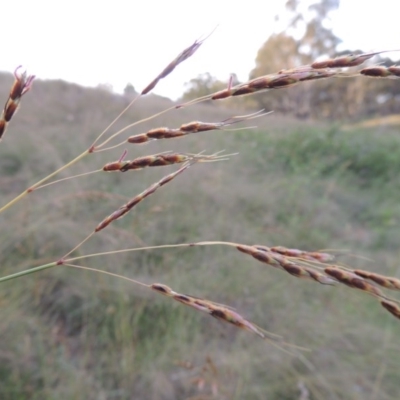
pixel 315 266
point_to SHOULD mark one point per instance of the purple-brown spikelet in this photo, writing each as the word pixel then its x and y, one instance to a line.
pixel 232 317
pixel 318 277
pixel 190 127
pixel 218 311
pixel 155 160
pixel 222 94
pixel 384 281
pixel 280 80
pixel 260 255
pixel 157 133
pixel 300 271
pixel 293 268
pixel 392 307
pixel 352 280
pixel 306 255
pixel 380 71
pixel 377 71
pixel 137 199
pixel 160 160
pixel 197 126
pixel 395 70
pixel 21 85
pixel 184 55
pixel 275 259
pixel 161 288
pixel 349 60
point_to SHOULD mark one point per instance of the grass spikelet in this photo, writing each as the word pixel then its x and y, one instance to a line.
pixel 349 60
pixel 392 307
pixel 154 134
pixel 225 314
pixel 380 71
pixel 137 199
pixel 320 278
pixel 190 127
pixel 384 281
pixel 264 256
pixel 353 281
pixel 184 55
pixel 306 255
pixel 21 85
pixel 278 260
pixel 160 159
pixel 304 272
pixel 218 311
pixel 282 79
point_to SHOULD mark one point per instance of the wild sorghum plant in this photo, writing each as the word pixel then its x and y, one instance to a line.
pixel 317 266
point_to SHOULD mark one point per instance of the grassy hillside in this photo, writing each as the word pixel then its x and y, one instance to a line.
pixel 70 334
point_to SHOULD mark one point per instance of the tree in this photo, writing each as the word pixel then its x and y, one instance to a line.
pixel 202 85
pixel 281 50
pixel 129 90
pixel 317 38
pixel 311 24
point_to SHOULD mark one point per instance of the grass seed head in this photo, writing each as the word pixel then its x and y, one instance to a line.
pixel 161 288
pixel 392 307
pixel 306 255
pixel 380 71
pixel 164 133
pixel 156 160
pixel 384 281
pixel 137 199
pixel 395 70
pixel 280 80
pixel 21 85
pixel 350 60
pixel 320 278
pixel 377 71
pixel 197 126
pixel 184 55
pixel 265 257
pixel 220 312
pixel 352 280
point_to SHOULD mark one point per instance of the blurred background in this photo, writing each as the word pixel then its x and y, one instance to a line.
pixel 321 172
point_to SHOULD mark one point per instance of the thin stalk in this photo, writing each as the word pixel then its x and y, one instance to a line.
pixel 28 271
pixel 107 273
pixel 199 100
pixel 163 246
pixel 37 184
pixel 65 260
pixel 66 179
pixel 97 150
pixel 79 245
pixel 115 120
pixel 131 126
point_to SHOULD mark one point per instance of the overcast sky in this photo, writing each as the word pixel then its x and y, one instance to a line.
pixel 121 41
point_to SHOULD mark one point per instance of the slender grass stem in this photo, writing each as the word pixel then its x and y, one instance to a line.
pixel 115 120
pixel 66 179
pixel 106 273
pixel 28 271
pixel 79 244
pixel 97 148
pixel 37 184
pixel 68 260
pixel 196 101
pixel 163 246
